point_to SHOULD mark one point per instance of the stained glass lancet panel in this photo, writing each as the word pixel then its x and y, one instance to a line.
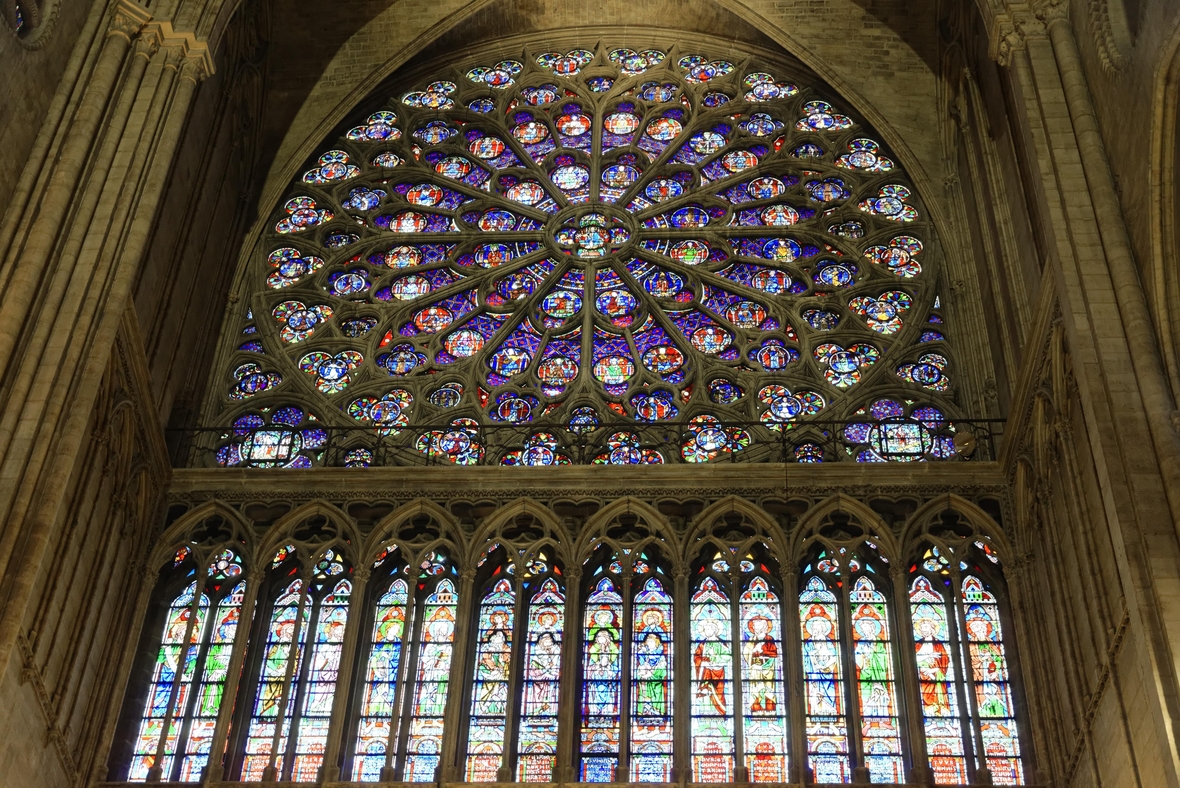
pixel 377 715
pixel 180 639
pixel 938 672
pixel 876 685
pixel 489 693
pixel 280 660
pixel 602 683
pixel 993 691
pixel 537 748
pixel 651 685
pixel 656 236
pixel 210 691
pixel 319 687
pixel 763 688
pixel 823 682
pixel 424 746
pixel 712 684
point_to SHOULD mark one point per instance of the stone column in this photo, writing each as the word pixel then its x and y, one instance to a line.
pixel 1116 243
pixel 449 770
pixel 34 500
pixel 569 718
pixel 21 286
pixel 909 695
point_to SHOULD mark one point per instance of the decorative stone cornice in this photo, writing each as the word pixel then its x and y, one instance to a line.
pixel 194 58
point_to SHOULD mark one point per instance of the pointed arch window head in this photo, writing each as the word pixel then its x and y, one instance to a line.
pixel 287 731
pixel 602 682
pixel 652 740
pixel 558 248
pixel 489 695
pixel 763 688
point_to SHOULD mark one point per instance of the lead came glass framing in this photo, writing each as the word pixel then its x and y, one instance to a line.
pixel 381 679
pixel 536 246
pixel 763 690
pixel 651 685
pixel 875 683
pixel 993 691
pixel 823 682
pixel 489 693
pixel 424 747
pixel 602 683
pixel 537 750
pixel 712 685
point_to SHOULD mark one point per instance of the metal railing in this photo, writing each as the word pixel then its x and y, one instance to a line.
pixel 444 443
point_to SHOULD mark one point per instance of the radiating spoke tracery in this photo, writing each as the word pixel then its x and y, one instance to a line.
pixel 564 239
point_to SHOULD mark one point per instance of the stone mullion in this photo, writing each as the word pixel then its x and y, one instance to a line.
pixel 569 711
pixel 626 658
pixel 330 769
pixel 681 684
pixel 910 694
pixel 793 659
pixel 67 438
pixel 860 773
pixel 741 772
pixel 215 766
pixel 512 704
pixel 464 611
pixel 403 705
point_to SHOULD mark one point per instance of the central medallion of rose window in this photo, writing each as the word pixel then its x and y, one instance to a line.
pixel 591 236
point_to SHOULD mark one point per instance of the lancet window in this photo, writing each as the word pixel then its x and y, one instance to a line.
pixel 287 730
pixel 738 688
pixel 544 259
pixel 850 666
pixel 188 678
pixel 627 667
pixel 406 677
pixel 968 710
pixel 512 720
pixel 683 661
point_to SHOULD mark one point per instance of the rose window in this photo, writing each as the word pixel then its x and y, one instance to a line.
pixel 583 245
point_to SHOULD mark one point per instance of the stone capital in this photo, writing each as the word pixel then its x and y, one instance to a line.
pixel 127 19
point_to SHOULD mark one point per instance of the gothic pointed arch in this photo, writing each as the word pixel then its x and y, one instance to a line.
pixel 754 518
pixel 210 523
pixel 841 511
pixel 415 527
